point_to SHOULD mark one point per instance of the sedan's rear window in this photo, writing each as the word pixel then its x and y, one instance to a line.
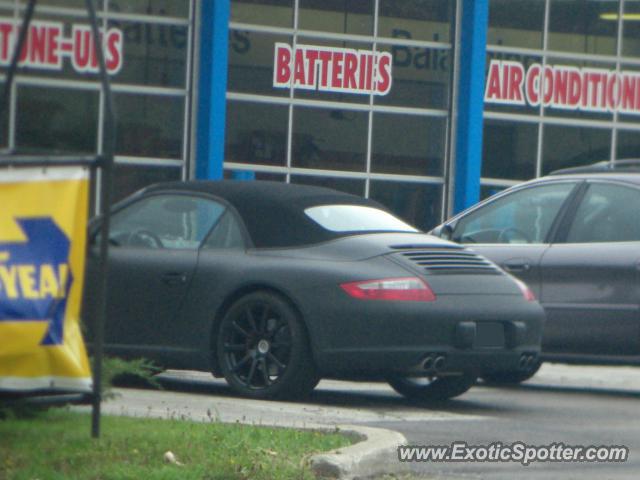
pixel 356 218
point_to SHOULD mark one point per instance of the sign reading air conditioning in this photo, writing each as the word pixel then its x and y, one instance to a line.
pixel 563 87
pixel 46 46
pixel 331 69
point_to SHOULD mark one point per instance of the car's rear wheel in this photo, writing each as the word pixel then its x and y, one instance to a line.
pixel 263 349
pixel 432 388
pixel 512 377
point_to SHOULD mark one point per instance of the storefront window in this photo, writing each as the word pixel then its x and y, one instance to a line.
pixel 4 127
pixel 408 144
pixel 428 20
pixel 131 178
pixel 348 185
pixel 583 26
pixel 251 57
pixel 366 99
pixel 572 146
pixel 169 8
pixel 421 77
pixel 509 149
pixel 354 17
pixel 149 125
pixel 79 4
pixel 276 13
pixel 516 23
pixel 630 29
pixel 329 139
pixel 56 120
pixel 419 204
pixel 628 144
pixel 155 54
pixel 256 133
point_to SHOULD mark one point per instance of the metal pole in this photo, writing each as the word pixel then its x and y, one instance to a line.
pixel 105 199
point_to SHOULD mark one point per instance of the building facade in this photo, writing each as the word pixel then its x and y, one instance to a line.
pixel 423 105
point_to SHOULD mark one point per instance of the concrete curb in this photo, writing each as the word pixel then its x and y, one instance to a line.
pixel 375 455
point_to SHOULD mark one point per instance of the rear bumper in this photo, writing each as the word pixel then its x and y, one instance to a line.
pixel 455 334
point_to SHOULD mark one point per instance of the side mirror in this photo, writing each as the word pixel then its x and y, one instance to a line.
pixel 446 232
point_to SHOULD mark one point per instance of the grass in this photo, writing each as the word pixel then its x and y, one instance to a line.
pixel 57 445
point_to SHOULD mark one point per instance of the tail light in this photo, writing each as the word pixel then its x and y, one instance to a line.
pixel 528 295
pixel 409 289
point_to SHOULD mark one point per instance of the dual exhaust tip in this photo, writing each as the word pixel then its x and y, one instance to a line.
pixel 526 361
pixel 434 363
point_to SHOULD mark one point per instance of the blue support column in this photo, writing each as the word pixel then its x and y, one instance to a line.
pixel 473 42
pixel 212 88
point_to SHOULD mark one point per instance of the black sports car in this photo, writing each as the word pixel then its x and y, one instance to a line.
pixel 274 286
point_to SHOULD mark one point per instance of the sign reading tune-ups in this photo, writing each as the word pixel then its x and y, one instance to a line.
pixel 43 220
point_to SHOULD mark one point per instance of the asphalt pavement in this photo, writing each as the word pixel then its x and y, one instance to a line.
pixel 575 405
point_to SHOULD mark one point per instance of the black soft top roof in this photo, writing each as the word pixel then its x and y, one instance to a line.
pixel 273 212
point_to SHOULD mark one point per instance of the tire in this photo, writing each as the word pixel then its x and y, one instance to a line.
pixel 263 349
pixel 432 389
pixel 512 377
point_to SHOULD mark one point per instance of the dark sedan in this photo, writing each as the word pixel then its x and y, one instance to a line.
pixel 274 286
pixel 574 238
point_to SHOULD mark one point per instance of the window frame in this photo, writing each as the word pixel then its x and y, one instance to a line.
pixel 571 215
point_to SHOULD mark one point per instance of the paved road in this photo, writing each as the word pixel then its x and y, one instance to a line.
pixel 570 404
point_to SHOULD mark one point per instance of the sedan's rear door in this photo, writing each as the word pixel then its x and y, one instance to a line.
pixel 590 278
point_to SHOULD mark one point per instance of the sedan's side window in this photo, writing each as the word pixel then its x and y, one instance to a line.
pixel 524 216
pixel 165 221
pixel 607 213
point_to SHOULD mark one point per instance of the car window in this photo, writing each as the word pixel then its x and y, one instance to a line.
pixel 165 221
pixel 524 216
pixel 226 234
pixel 607 213
pixel 356 218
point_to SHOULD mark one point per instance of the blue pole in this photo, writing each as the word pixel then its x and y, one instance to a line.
pixel 212 88
pixel 473 42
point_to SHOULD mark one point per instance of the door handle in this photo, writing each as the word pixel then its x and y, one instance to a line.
pixel 517 266
pixel 174 278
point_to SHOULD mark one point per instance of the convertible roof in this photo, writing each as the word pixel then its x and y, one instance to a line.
pixel 273 212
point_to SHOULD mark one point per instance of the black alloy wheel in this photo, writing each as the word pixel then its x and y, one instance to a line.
pixel 432 388
pixel 263 349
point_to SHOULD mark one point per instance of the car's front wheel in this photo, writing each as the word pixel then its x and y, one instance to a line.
pixel 432 388
pixel 263 349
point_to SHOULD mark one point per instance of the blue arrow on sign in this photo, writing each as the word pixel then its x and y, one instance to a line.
pixel 35 278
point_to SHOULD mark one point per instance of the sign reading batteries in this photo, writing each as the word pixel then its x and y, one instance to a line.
pixel 46 46
pixel 329 69
pixel 43 223
pixel 563 87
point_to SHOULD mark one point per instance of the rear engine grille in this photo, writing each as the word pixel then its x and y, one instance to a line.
pixel 450 261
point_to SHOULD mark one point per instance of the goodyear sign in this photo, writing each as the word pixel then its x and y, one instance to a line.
pixel 43 220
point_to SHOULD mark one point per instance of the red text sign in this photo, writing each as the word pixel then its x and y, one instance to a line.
pixel 563 87
pixel 46 46
pixel 332 69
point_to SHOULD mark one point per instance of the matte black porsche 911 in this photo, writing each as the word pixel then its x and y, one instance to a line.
pixel 274 286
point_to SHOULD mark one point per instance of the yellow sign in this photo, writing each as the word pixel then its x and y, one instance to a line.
pixel 43 223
